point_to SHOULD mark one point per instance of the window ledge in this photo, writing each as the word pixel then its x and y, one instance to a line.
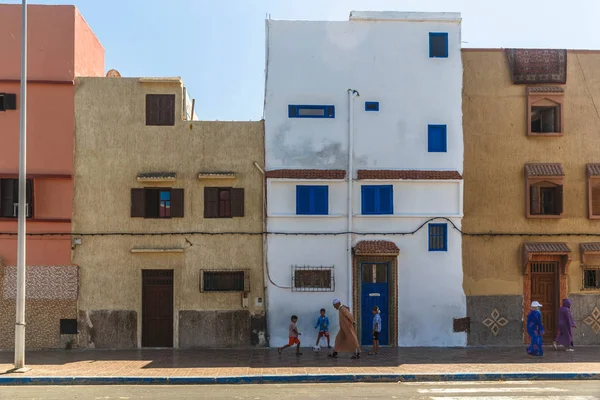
pixel 306 216
pixel 594 217
pixel 4 219
pixel 544 216
pixel 408 215
pixel 553 134
pixel 157 250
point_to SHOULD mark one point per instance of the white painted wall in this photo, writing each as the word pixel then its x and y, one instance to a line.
pixel 386 61
pixel 317 62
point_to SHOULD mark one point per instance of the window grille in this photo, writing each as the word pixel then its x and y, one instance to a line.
pixel 543 268
pixel 312 279
pixel 591 276
pixel 225 280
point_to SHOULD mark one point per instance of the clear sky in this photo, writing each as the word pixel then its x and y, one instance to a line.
pixel 218 47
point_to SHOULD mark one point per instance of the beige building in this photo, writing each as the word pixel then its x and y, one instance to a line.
pixel 532 190
pixel 179 206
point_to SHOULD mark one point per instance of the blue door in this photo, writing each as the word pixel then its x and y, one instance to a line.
pixel 374 292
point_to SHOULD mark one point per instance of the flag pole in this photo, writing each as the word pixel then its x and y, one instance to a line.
pixel 22 210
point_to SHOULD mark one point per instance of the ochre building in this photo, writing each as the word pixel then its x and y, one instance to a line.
pixel 532 191
pixel 164 188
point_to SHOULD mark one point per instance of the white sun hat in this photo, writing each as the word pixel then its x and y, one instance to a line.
pixel 535 304
pixel 336 301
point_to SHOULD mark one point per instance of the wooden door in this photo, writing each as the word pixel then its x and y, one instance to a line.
pixel 544 288
pixel 157 308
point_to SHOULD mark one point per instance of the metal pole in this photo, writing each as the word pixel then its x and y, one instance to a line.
pixel 22 210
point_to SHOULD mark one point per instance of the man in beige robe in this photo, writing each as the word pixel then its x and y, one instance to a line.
pixel 346 339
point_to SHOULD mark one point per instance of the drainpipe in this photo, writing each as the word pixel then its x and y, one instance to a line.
pixel 351 95
pixel 264 238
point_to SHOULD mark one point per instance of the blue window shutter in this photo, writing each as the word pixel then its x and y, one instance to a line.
pixel 438 44
pixel 321 200
pixel 436 138
pixel 368 199
pixel 303 200
pixel 445 237
pixel 438 237
pixel 386 199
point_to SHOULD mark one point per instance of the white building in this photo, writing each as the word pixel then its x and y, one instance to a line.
pixel 386 88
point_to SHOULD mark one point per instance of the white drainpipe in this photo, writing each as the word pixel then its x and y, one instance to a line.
pixel 351 95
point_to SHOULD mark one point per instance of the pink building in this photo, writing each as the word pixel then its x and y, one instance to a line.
pixel 61 46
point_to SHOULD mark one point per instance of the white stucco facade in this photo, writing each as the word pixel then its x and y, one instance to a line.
pixel 385 57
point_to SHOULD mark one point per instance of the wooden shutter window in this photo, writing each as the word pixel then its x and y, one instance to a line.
pixel 237 202
pixel 211 202
pixel 138 203
pixel 167 110
pixel 152 109
pixel 596 200
pixel 558 201
pixel 177 203
pixel 152 202
pixel 535 200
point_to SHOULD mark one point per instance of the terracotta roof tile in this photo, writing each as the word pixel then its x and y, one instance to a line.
pixel 589 247
pixel 157 175
pixel 407 174
pixel 548 247
pixel 593 169
pixel 306 174
pixel 541 169
pixel 370 247
pixel 545 89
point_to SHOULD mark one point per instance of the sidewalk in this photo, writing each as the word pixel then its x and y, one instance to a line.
pixel 261 365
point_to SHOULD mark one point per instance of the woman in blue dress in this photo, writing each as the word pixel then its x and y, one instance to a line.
pixel 535 329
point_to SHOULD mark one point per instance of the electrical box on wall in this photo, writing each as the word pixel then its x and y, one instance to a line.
pixel 245 299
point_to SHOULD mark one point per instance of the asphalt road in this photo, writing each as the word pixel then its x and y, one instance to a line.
pixel 526 390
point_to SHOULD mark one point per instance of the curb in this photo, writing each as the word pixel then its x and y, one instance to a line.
pixel 273 379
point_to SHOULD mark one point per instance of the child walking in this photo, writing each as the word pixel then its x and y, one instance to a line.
pixel 293 336
pixel 323 325
pixel 376 330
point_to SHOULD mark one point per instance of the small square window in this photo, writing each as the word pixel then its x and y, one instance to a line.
pixel 545 111
pixel 438 44
pixel 312 200
pixel 377 199
pixel 311 111
pixel 312 279
pixel 8 101
pixel 160 109
pixel 9 198
pixel 225 281
pixel 546 199
pixel 371 106
pixel 223 202
pixel 157 203
pixel 68 326
pixel 436 138
pixel 593 191
pixel 438 237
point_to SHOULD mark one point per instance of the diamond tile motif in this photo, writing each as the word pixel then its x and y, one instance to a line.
pixel 593 321
pixel 495 322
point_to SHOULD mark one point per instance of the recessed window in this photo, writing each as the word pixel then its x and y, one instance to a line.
pixel 436 139
pixel 8 101
pixel 312 279
pixel 225 281
pixel 223 202
pixel 591 278
pixel 160 109
pixel 311 111
pixel 438 44
pixel 545 111
pixel 438 237
pixel 544 190
pixel 593 173
pixel 157 203
pixel 9 198
pixel 377 199
pixel 371 106
pixel 312 200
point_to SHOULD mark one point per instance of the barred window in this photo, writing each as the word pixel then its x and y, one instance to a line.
pixel 225 281
pixel 591 277
pixel 312 279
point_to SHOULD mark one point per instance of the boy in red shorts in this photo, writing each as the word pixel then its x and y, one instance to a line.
pixel 293 334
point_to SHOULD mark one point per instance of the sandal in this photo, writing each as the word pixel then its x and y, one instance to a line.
pixel 356 356
pixel 332 355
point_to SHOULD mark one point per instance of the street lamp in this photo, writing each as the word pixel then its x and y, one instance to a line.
pixel 22 210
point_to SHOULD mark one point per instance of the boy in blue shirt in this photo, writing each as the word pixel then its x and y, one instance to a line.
pixel 323 325
pixel 376 330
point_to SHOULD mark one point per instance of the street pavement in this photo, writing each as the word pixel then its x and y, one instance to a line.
pixel 519 390
pixel 266 362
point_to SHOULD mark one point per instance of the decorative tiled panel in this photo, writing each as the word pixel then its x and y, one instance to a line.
pixel 43 282
pixel 586 313
pixel 495 320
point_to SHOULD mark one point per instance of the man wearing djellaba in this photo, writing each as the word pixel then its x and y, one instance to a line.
pixel 346 339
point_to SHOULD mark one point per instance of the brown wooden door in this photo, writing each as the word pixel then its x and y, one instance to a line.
pixel 157 308
pixel 544 288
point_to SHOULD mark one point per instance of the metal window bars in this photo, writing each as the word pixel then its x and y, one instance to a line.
pixel 313 279
pixel 225 280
